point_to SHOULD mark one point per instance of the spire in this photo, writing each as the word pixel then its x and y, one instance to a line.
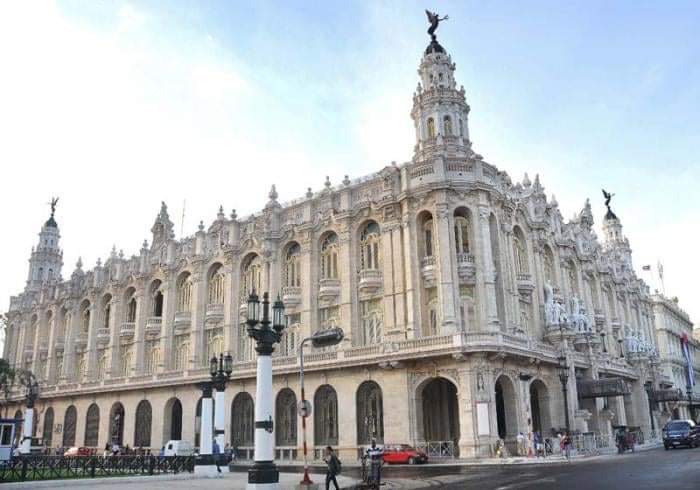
pixel 46 258
pixel 220 215
pixel 162 227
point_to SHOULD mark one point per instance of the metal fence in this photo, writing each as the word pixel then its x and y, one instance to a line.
pixel 437 449
pixel 32 468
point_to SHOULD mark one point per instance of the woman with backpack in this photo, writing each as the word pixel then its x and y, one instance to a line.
pixel 333 468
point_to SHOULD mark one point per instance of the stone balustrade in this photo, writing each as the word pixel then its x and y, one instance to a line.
pixel 127 329
pixel 291 295
pixel 370 281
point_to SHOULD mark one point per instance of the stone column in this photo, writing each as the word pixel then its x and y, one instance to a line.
pixel 142 308
pixel 410 273
pixel 389 269
pixel 115 318
pixel 486 273
pixel 92 342
pixel 445 264
pixel 198 306
pixel 166 329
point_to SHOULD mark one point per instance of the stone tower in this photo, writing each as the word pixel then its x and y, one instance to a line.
pixel 47 258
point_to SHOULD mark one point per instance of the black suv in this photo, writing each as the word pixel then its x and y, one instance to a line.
pixel 681 433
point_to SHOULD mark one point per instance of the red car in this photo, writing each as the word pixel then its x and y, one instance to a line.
pixel 78 451
pixel 403 454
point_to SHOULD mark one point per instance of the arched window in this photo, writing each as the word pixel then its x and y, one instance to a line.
pixel 286 418
pixel 252 276
pixel 520 252
pixel 431 127
pixel 106 311
pixel 572 278
pixel 432 326
pixel 182 352
pixel 369 244
pixel 329 257
pixel 85 317
pixel 101 364
pixel 152 356
pixel 370 413
pixel 326 416
pixel 462 234
pixel 47 433
pixel 292 276
pixel 69 422
pixel 116 424
pixel 142 431
pixel 372 314
pixel 184 293
pixel 131 310
pixel 92 425
pixel 242 420
pixel 156 299
pixel 215 342
pixel 216 285
pixel 126 362
pixel 82 366
pixel 447 125
pixel 428 237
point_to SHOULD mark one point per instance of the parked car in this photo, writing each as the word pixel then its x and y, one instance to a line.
pixel 403 454
pixel 78 451
pixel 681 433
pixel 179 448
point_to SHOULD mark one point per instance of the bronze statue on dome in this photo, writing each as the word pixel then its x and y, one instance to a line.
pixel 434 20
pixel 54 201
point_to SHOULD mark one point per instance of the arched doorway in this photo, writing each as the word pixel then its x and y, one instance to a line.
pixel 242 421
pixel 142 430
pixel 539 407
pixel 440 415
pixel 172 423
pixel 506 415
pixel 69 421
pixel 47 434
pixel 369 414
pixel 286 418
pixel 326 416
pixel 116 424
pixel 92 425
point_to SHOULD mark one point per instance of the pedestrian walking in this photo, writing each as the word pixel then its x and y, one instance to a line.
pixel 539 447
pixel 566 445
pixel 375 455
pixel 520 438
pixel 216 453
pixel 333 470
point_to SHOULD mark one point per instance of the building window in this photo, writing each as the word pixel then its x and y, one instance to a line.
pixel 329 317
pixel 242 420
pixel 369 244
pixel 158 304
pixel 326 416
pixel 286 415
pixel 462 234
pixel 370 413
pixel 549 267
pixel 520 252
pixel 101 365
pixel 184 293
pixel 142 431
pixel 131 311
pixel 447 124
pixel 182 352
pixel 126 362
pixel 106 315
pixel 82 366
pixel 86 319
pixel 252 277
pixel 216 286
pixel 467 308
pixel 152 356
pixel 215 343
pixel 431 127
pixel 371 314
pixel 69 422
pixel 292 276
pixel 245 343
pixel 329 257
pixel 92 425
pixel 290 336
pixel 428 237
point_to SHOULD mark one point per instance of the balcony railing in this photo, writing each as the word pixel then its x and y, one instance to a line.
pixel 370 281
pixel 81 338
pixel 127 329
pixel 153 325
pixel 525 282
pixel 466 269
pixel 183 319
pixel 214 312
pixel 291 295
pixel 328 289
pixel 103 335
pixel 428 270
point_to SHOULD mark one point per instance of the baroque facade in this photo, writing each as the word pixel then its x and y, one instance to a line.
pixel 457 288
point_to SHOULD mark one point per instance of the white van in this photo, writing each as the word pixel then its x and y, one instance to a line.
pixel 179 448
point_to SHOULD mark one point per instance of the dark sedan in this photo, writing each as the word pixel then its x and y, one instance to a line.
pixel 681 433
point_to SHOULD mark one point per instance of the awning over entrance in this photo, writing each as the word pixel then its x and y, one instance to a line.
pixel 598 388
pixel 667 395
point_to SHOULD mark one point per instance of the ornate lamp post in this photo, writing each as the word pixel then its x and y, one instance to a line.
pixel 32 394
pixel 322 338
pixel 563 368
pixel 266 333
pixel 220 371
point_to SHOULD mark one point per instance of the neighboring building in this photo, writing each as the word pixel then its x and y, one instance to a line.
pixel 673 329
pixel 457 290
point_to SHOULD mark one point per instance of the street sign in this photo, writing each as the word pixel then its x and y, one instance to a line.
pixel 304 408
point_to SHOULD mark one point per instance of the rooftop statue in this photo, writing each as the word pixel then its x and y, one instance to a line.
pixel 54 201
pixel 434 20
pixel 607 197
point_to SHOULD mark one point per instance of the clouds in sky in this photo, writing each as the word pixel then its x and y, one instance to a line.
pixel 115 106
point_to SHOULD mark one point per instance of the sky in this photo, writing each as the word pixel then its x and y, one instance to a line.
pixel 116 106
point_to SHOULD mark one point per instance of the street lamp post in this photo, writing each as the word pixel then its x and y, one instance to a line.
pixel 266 332
pixel 220 371
pixel 564 378
pixel 31 395
pixel 322 338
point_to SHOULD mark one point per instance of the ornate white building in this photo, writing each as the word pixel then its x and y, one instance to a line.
pixel 458 290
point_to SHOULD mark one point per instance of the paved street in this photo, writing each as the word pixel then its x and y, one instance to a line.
pixel 654 469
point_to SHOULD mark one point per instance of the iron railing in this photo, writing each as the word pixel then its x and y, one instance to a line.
pixel 39 467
